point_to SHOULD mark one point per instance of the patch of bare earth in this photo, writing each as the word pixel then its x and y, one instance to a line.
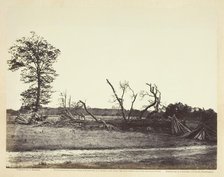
pixel 51 147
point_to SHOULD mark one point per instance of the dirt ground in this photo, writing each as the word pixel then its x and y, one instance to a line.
pixel 51 147
pixel 191 157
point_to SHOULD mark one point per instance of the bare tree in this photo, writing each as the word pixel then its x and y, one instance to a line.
pixel 124 86
pixel 133 96
pixel 68 105
pixel 87 111
pixel 107 126
pixel 154 99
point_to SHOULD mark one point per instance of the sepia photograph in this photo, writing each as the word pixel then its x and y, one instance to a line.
pixel 128 85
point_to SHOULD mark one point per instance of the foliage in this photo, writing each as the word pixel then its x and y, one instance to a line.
pixel 179 109
pixel 34 56
pixel 183 111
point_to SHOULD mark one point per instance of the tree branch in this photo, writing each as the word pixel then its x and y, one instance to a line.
pixel 84 105
pixel 134 96
pixel 120 100
pixel 94 117
pixel 155 93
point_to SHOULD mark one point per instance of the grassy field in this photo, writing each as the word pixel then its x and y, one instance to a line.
pixel 59 146
pixel 28 138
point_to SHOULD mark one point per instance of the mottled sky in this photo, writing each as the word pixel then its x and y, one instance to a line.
pixel 172 45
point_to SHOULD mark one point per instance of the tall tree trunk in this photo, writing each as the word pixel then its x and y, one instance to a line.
pixel 37 106
pixel 132 104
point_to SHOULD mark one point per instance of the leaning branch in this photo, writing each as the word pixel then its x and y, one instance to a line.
pixel 109 127
pixel 84 105
pixel 66 109
pixel 119 100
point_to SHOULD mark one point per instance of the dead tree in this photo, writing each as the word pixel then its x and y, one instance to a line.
pixel 107 126
pixel 87 111
pixel 133 96
pixel 154 99
pixel 68 105
pixel 124 88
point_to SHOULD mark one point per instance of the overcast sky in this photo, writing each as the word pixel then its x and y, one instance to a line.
pixel 174 47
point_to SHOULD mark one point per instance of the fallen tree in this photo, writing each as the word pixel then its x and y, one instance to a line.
pixel 68 105
pixel 106 125
pixel 29 118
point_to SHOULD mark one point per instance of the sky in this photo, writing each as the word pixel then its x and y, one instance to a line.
pixel 171 45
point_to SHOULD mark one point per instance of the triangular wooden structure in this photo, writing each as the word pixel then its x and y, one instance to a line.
pixel 177 128
pixel 203 133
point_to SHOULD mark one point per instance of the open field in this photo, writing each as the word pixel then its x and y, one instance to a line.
pixel 29 138
pixel 64 147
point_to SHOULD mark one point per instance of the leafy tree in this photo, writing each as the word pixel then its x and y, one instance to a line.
pixel 34 56
pixel 179 109
pixel 208 116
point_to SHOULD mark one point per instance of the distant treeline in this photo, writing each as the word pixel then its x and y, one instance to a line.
pixel 58 111
pixel 182 111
